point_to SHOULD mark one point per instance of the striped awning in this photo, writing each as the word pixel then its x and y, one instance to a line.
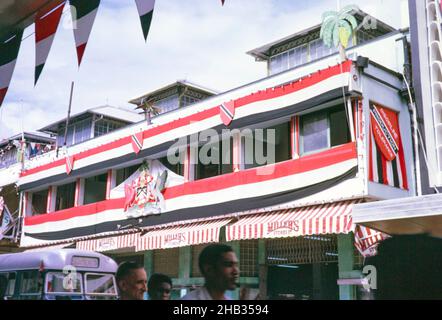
pixel 109 243
pixel 182 235
pixel 330 218
pixel 367 240
pixel 57 246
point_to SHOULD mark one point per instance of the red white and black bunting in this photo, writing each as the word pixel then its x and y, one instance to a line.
pixel 245 190
pixel 46 24
pixel 9 48
pixel 273 102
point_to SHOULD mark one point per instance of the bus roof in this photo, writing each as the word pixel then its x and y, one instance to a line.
pixel 57 260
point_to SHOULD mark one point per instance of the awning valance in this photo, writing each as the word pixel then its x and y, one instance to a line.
pixel 182 235
pixel 109 243
pixel 330 218
pixel 57 246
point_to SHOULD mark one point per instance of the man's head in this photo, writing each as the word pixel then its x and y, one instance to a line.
pixel 159 287
pixel 219 265
pixel 131 281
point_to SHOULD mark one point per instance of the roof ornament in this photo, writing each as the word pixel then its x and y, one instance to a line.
pixel 338 27
pixel 149 108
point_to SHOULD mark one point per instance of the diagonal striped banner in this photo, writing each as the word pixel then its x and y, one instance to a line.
pixel 137 142
pixel 227 112
pixel 69 164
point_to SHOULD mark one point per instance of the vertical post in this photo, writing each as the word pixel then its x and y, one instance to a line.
pixel 236 247
pixel 77 193
pixel 148 262
pixel 49 200
pixel 184 264
pixel 237 163
pixel 262 269
pixel 69 113
pixel 345 265
pixel 52 199
pixel 296 133
pixel 110 182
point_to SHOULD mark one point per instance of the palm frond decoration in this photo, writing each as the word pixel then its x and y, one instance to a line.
pixel 338 27
pixel 149 108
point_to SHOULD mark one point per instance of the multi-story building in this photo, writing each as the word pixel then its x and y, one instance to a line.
pixel 420 214
pixel 147 192
pixel 14 151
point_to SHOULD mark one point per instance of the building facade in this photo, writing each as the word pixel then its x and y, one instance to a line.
pixel 290 156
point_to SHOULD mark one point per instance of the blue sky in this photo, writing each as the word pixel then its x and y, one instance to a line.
pixel 196 40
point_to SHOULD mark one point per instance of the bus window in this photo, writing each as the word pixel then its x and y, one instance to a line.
pixel 31 284
pixel 59 283
pixel 10 285
pixel 100 286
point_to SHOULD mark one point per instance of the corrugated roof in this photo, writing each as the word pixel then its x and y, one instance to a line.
pixel 178 83
pixel 29 136
pixel 107 111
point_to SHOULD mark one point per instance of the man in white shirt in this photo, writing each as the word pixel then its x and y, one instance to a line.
pixel 219 265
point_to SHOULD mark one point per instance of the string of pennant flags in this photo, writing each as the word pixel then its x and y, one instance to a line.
pixel 46 21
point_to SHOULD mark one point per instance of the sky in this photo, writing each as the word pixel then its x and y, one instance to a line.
pixel 195 40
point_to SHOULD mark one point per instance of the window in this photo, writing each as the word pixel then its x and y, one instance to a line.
pixel 39 202
pixel 324 129
pixel 7 284
pixel 77 132
pixel 215 159
pixel 186 101
pixel 100 284
pixel 123 174
pixel 95 189
pixel 31 283
pixel 176 168
pixel 168 104
pixel 58 282
pixel 103 127
pixel 267 146
pixel 65 196
pixel 303 54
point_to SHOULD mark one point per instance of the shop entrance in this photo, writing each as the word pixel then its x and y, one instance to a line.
pixel 303 268
pixel 303 282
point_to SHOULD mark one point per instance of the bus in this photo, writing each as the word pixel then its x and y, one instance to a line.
pixel 62 274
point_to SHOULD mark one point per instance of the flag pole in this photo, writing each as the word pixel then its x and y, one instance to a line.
pixel 69 114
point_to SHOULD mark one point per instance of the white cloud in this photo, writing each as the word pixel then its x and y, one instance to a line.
pixel 197 40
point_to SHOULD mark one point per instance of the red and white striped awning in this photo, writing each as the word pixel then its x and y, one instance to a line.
pixel 330 218
pixel 52 247
pixel 109 243
pixel 182 235
pixel 367 240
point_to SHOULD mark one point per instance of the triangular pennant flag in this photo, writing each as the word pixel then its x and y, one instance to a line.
pixel 137 142
pixel 227 112
pixel 69 164
pixel 145 10
pixel 83 17
pixel 9 48
pixel 222 2
pixel 46 23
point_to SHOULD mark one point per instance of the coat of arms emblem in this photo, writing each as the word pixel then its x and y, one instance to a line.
pixel 145 195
